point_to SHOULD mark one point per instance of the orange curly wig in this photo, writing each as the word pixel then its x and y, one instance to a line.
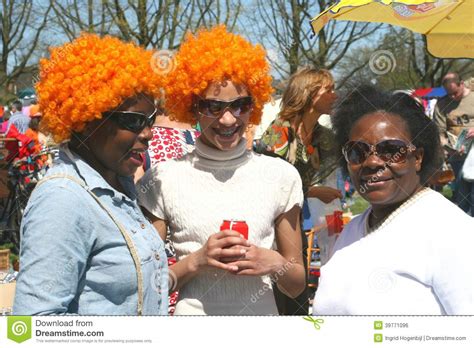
pixel 89 76
pixel 213 56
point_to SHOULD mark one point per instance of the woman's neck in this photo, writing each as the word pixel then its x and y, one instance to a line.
pixel 88 156
pixel 380 213
pixel 306 127
pixel 208 151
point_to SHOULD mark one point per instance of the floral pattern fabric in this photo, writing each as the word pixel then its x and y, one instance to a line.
pixel 314 162
pixel 167 144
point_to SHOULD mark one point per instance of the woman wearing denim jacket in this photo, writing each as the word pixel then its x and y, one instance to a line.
pixel 86 248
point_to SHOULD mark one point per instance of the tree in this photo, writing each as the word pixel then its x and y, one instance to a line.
pixel 400 60
pixel 286 24
pixel 426 69
pixel 152 24
pixel 71 17
pixel 22 23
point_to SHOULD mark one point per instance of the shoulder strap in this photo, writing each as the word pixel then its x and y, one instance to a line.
pixel 128 240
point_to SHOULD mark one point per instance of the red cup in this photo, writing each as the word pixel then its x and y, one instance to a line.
pixel 334 222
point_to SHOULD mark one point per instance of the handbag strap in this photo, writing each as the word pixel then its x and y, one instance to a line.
pixel 128 240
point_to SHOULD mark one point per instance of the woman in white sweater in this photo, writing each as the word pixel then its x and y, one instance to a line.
pixel 219 272
pixel 410 252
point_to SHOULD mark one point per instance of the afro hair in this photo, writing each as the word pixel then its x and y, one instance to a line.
pixel 89 76
pixel 367 99
pixel 216 55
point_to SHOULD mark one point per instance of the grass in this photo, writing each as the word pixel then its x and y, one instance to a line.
pixel 359 204
pixel 447 192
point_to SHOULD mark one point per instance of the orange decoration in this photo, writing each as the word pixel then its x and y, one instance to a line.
pixel 216 55
pixel 89 76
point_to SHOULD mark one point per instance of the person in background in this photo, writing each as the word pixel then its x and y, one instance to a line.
pixel 171 140
pixel 18 118
pixel 455 113
pixel 410 252
pixel 33 131
pixel 86 247
pixel 18 145
pixel 5 122
pixel 296 136
pixel 219 272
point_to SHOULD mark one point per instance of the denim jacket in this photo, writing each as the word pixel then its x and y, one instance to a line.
pixel 73 257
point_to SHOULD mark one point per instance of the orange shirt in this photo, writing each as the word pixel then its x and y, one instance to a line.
pixel 33 135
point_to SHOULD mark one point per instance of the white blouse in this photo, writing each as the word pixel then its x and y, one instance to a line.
pixel 418 262
pixel 196 193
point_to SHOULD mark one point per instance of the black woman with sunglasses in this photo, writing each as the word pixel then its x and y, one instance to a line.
pixel 410 252
pixel 219 272
pixel 86 247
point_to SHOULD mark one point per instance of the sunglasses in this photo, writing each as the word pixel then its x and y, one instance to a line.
pixel 131 120
pixel 214 108
pixel 392 150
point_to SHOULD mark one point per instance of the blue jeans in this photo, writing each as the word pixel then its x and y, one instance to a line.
pixel 464 197
pixel 463 191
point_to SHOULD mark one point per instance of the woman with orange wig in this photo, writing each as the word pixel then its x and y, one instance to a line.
pixel 222 81
pixel 86 247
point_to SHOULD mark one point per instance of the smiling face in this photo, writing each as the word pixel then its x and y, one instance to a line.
pixel 384 184
pixel 224 132
pixel 117 150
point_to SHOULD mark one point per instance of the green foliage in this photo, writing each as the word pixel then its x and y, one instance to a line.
pixel 359 205
pixel 399 60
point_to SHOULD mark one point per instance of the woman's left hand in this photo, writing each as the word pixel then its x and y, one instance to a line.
pixel 259 261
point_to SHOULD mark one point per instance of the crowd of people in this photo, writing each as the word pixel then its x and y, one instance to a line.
pixel 151 165
pixel 19 125
pixel 454 115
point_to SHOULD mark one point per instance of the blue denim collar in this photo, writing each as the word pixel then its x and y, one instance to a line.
pixel 93 179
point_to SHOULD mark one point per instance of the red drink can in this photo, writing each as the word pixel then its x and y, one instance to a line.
pixel 237 226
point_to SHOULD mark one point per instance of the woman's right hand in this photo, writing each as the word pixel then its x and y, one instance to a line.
pixel 222 245
pixel 325 194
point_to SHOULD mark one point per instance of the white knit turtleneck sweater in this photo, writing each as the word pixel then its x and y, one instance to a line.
pixel 196 193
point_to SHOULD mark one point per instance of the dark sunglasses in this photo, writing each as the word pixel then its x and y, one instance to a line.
pixel 216 108
pixel 392 150
pixel 131 120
